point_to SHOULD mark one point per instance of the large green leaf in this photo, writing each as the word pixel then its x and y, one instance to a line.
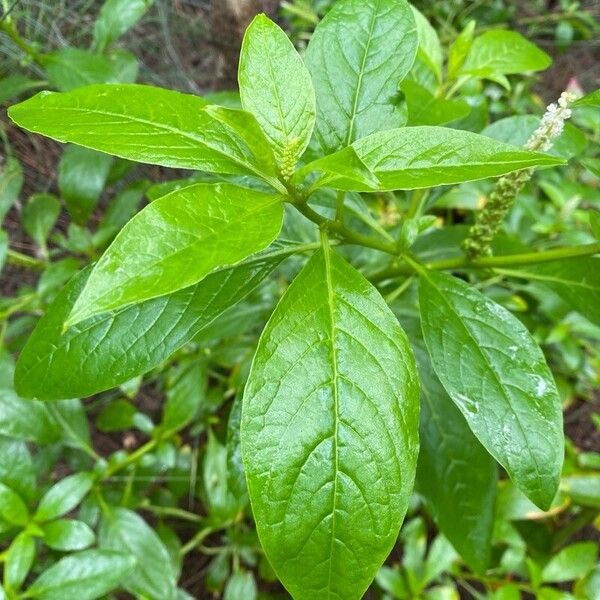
pixel 83 576
pixel 455 474
pixel 503 53
pixel 357 56
pixel 111 348
pixel 115 18
pixel 420 157
pixel 154 576
pixel 276 87
pixel 576 281
pixel 329 432
pixel 497 376
pixel 176 241
pixel 150 125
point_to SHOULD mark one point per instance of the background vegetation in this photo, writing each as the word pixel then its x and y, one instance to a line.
pixel 164 447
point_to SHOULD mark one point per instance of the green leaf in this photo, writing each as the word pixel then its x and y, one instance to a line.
pixel 592 165
pixel 343 169
pixel 83 576
pixel 26 419
pixel 241 586
pixel 154 575
pixel 420 157
pixel 591 99
pixel 16 84
pixel 276 87
pixel 3 248
pixel 112 348
pixel 502 52
pixel 151 125
pixel 16 467
pixel 19 559
pixel 176 241
pixel 576 281
pixel 116 416
pixel 82 174
pixel 329 432
pixel 11 182
pixel 571 562
pixel 393 582
pixel 68 535
pixel 583 489
pixel 497 376
pixel 430 49
pixel 236 477
pixel 357 55
pixel 518 129
pixel 459 50
pixel 426 109
pixel 39 216
pixel 455 474
pixel 12 508
pixel 63 496
pixel 184 396
pixel 115 18
pixel 221 503
pixel 71 68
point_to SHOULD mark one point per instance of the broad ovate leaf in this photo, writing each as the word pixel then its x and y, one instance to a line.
pixel 496 374
pixel 503 52
pixel 427 156
pixel 114 347
pixel 357 56
pixel 275 86
pixel 151 125
pixel 176 241
pixel 330 432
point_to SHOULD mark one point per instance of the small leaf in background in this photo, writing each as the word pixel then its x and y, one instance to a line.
pixel 116 416
pixel 583 489
pixel 116 17
pixel 154 576
pixel 356 56
pixel 82 175
pixel 236 477
pixel 426 109
pixel 241 586
pixel 392 581
pixel 221 503
pixel 503 53
pixel 571 562
pixel 591 99
pixel 460 49
pixel 63 496
pixel 429 49
pixel 18 562
pixel 11 182
pixel 185 395
pixel 71 68
pixel 12 508
pixel 3 248
pixel 592 165
pixel 14 85
pixel 595 224
pixel 39 217
pixel 276 87
pixel 85 575
pixel 501 382
pixel 16 467
pixel 329 431
pixel 68 535
pixel 176 241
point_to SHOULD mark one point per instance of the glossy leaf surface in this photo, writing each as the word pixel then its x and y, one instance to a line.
pixel 111 348
pixel 150 125
pixel 498 377
pixel 419 157
pixel 176 241
pixel 275 86
pixel 357 55
pixel 329 432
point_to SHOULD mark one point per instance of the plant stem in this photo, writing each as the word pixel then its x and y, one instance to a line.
pixel 489 262
pixel 9 28
pixel 131 458
pixel 23 260
pixel 339 206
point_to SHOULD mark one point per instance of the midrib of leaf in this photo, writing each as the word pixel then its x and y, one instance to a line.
pixel 361 75
pixel 277 97
pixel 491 369
pixel 170 129
pixel 332 333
